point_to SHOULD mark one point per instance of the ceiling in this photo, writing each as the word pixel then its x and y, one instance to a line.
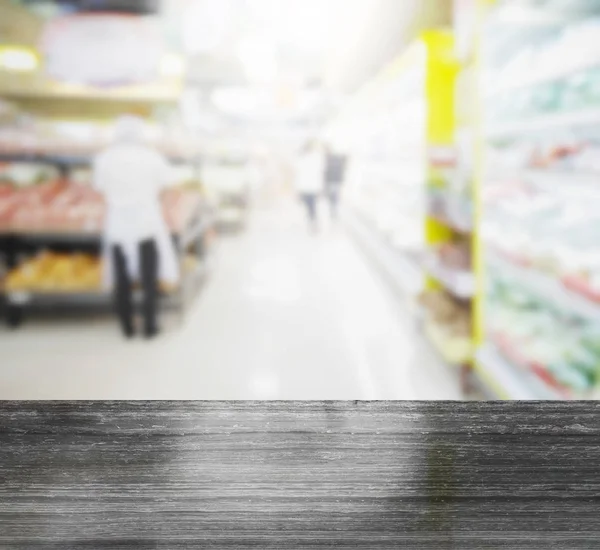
pixel 337 44
pixel 122 6
pixel 249 53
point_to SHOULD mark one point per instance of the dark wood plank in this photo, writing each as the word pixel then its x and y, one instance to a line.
pixel 299 475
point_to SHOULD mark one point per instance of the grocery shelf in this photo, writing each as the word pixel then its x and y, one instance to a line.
pixel 70 161
pixel 178 299
pixel 75 299
pixel 544 123
pixel 460 284
pixel 40 236
pixel 95 298
pixel 549 288
pixel 546 177
pixel 27 298
pixel 557 73
pixel 463 227
pixel 56 237
pixel 401 269
pixel 509 381
pixel 454 351
pixel 554 177
pixel 558 116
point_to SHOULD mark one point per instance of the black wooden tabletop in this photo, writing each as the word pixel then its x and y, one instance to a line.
pixel 279 475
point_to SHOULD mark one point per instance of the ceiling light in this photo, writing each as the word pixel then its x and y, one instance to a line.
pixel 205 24
pixel 18 59
pixel 259 60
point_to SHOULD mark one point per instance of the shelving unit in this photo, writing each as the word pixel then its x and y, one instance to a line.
pixel 51 103
pixel 551 289
pixel 460 284
pixel 71 161
pixel 476 156
pixel 540 124
pixel 399 131
pixel 383 130
pixel 507 381
pixel 402 271
pixel 537 317
pixel 194 238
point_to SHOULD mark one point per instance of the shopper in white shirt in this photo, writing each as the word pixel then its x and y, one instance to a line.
pixel 309 178
pixel 137 243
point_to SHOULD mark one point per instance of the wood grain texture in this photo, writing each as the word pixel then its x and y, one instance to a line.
pixel 278 475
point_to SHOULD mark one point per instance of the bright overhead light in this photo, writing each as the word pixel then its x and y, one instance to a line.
pixel 18 59
pixel 306 25
pixel 259 60
pixel 205 24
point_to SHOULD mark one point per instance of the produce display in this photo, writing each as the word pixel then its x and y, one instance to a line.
pixel 50 272
pixel 63 206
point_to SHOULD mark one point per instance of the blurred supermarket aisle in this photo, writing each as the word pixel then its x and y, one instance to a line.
pixel 285 315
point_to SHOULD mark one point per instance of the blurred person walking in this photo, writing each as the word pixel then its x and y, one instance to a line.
pixel 309 179
pixel 335 172
pixel 137 243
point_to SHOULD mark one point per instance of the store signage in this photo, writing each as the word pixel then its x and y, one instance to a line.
pixel 103 49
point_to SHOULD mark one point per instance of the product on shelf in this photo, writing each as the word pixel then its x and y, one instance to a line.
pixel 448 326
pixel 444 310
pixel 570 150
pixel 451 209
pixel 560 348
pixel 50 272
pixel 64 206
pixel 549 229
pixel 450 265
pixel 455 255
pixel 545 78
pixel 40 137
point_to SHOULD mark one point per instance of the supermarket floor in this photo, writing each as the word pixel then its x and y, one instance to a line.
pixel 284 315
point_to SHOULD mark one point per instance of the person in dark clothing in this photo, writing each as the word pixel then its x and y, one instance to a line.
pixel 149 285
pixel 309 179
pixel 335 172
